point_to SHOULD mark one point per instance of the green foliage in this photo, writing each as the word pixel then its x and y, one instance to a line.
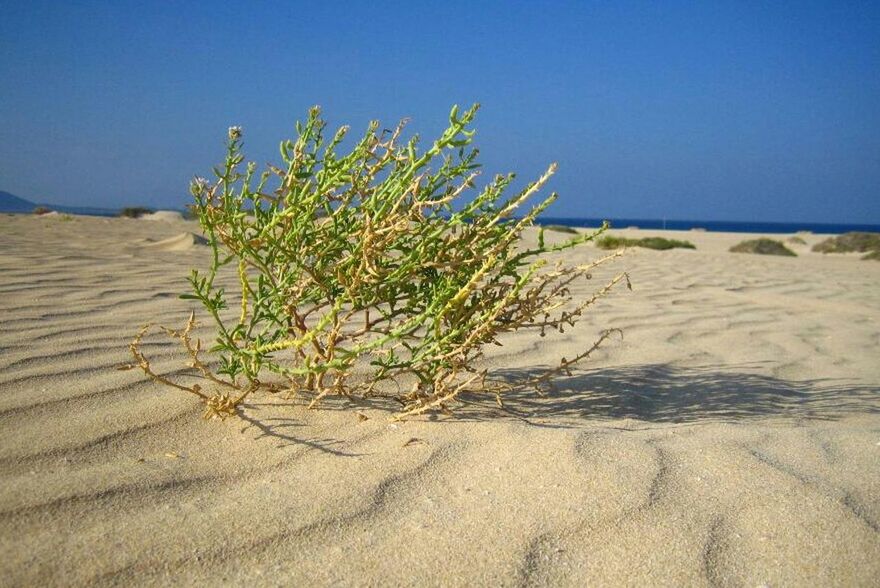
pixel 41 210
pixel 763 247
pixel 849 242
pixel 561 229
pixel 135 211
pixel 874 255
pixel 357 275
pixel 658 243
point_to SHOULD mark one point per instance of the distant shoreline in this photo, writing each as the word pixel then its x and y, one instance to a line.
pixel 616 223
pixel 713 226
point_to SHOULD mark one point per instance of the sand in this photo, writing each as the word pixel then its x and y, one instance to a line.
pixel 163 215
pixel 732 437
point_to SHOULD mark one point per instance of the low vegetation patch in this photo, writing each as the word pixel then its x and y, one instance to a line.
pixel 858 242
pixel 135 211
pixel 874 255
pixel 561 229
pixel 381 272
pixel 658 243
pixel 763 247
pixel 41 210
pixel 796 240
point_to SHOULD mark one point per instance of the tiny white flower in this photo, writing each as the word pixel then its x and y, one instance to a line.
pixel 198 185
pixel 234 133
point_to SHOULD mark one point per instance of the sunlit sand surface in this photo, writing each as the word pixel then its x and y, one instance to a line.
pixel 731 437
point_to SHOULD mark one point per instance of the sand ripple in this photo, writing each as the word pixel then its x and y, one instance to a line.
pixel 731 438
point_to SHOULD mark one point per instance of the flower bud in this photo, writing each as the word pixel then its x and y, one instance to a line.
pixel 198 186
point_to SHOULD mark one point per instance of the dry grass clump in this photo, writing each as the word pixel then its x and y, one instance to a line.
pixel 763 247
pixel 561 229
pixel 135 211
pixel 357 276
pixel 795 240
pixel 855 241
pixel 874 255
pixel 658 243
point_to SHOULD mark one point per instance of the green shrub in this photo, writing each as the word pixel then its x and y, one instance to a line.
pixel 763 247
pixel 659 243
pixel 41 210
pixel 874 255
pixel 135 211
pixel 357 276
pixel 561 229
pixel 849 242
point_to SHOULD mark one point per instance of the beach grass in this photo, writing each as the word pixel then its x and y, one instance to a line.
pixel 763 246
pixel 656 243
pixel 561 229
pixel 135 211
pixel 853 242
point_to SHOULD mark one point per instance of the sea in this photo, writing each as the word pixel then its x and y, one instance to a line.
pixel 624 223
pixel 707 225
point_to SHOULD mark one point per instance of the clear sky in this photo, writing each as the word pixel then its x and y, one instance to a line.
pixel 691 110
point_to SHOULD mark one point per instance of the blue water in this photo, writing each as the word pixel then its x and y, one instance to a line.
pixel 726 226
pixel 623 223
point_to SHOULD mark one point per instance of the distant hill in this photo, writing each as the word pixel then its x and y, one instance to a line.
pixel 11 203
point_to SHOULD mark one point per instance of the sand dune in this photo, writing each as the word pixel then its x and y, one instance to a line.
pixel 732 437
pixel 163 215
pixel 182 242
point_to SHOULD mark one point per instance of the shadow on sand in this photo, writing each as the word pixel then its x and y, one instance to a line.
pixel 283 429
pixel 662 393
pixel 658 393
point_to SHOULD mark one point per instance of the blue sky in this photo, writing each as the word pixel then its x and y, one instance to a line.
pixel 691 110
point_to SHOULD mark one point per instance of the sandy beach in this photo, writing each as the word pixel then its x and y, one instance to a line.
pixel 730 438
